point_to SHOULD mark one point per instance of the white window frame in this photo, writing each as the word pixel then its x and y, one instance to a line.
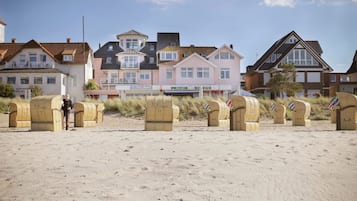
pixel 110 48
pixel 151 60
pixel 130 77
pixel 130 61
pixel 202 72
pixel 114 78
pixel 22 59
pixel 145 76
pixel 132 43
pixel 168 56
pixel 333 77
pixel 313 77
pixel 300 77
pixel 108 60
pixel 225 74
pixel 187 72
pixel 67 57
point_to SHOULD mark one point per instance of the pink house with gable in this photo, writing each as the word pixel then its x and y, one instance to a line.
pixel 199 69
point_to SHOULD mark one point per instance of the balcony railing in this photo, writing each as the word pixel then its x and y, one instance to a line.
pixel 30 65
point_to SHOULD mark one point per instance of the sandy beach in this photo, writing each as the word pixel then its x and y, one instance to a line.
pixel 118 160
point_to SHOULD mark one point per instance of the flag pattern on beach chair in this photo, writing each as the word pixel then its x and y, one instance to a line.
pixel 291 106
pixel 273 106
pixel 207 107
pixel 333 103
pixel 229 103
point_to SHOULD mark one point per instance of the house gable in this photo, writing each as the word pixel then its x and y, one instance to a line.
pixel 196 57
pixel 224 48
pixel 278 52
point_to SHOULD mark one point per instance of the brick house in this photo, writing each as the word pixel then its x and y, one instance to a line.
pixel 291 49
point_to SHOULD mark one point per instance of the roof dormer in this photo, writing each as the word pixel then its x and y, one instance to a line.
pixel 132 40
pixel 68 55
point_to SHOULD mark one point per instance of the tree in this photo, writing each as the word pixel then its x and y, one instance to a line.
pixel 6 90
pixel 283 81
pixel 92 85
pixel 36 91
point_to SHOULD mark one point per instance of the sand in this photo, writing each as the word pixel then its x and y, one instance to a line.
pixel 117 160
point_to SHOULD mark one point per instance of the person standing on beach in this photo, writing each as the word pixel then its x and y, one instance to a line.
pixel 66 107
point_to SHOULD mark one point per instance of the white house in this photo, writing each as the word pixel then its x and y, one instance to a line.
pixel 58 68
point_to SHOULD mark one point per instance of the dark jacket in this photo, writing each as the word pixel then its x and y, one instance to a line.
pixel 67 105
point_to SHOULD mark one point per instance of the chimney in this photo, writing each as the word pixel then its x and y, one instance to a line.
pixel 13 40
pixel 68 40
pixel 231 46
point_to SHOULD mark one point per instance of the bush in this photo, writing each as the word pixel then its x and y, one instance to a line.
pixel 6 90
pixel 36 91
pixel 192 108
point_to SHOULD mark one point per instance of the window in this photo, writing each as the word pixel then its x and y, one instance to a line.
pixel 187 72
pixel 313 77
pixel 51 80
pixel 33 58
pixel 224 56
pixel 108 60
pixel 332 78
pixel 266 78
pixel 11 80
pixel 152 47
pixel 24 80
pixel 300 57
pixel 130 62
pixel 169 74
pixel 67 57
pixel 168 56
pixel 37 80
pixel 152 60
pixel 300 77
pixel 129 77
pixel 202 72
pixel 132 43
pixel 225 75
pixel 43 58
pixel 110 48
pixel 114 78
pixel 144 76
pixel 22 59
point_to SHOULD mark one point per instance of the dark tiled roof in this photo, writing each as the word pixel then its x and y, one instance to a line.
pixel 103 53
pixel 167 39
pixel 353 68
pixel 32 70
pixel 54 50
pixel 316 46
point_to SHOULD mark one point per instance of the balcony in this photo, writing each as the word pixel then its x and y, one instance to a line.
pixel 30 65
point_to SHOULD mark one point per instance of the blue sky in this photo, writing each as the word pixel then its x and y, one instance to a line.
pixel 252 26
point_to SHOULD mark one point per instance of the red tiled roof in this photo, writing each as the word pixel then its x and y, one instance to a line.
pixel 32 70
pixel 54 50
pixel 2 22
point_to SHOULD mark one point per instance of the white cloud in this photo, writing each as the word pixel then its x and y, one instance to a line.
pixel 282 3
pixel 293 3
